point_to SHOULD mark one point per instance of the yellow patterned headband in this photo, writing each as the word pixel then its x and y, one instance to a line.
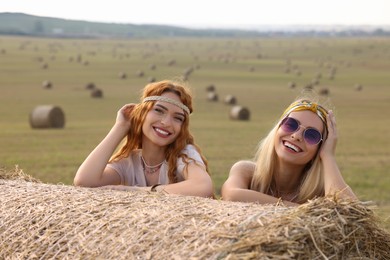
pixel 169 100
pixel 307 105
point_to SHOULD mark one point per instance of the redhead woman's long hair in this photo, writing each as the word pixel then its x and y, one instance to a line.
pixel 312 177
pixel 137 118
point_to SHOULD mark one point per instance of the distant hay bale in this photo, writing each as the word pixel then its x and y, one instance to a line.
pixel 358 87
pixel 239 113
pixel 210 88
pixel 97 93
pixel 151 79
pixel 43 221
pixel 171 62
pixel 212 96
pixel 47 116
pixel 46 84
pixel 152 66
pixel 324 91
pixel 230 100
pixel 308 86
pixel 90 86
pixel 292 85
pixel 122 75
pixel 140 73
pixel 45 66
pixel 315 81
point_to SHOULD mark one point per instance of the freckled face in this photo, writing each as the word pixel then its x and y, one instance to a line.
pixel 163 122
pixel 291 147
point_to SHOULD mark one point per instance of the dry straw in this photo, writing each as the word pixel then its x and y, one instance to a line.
pixel 44 221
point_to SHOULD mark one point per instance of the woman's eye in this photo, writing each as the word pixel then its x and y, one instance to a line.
pixel 179 119
pixel 159 110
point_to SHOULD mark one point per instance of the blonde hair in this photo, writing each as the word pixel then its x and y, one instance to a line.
pixel 312 179
pixel 137 118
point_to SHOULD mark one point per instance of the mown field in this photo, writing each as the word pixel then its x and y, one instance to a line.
pixel 256 71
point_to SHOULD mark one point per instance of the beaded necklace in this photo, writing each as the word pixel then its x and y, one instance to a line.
pixel 150 169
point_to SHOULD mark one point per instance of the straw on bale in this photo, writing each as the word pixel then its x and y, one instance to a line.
pixel 44 221
pixel 239 113
pixel 47 116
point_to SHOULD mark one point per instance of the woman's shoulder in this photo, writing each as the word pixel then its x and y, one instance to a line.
pixel 243 168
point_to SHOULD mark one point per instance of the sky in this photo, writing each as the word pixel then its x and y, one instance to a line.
pixel 211 13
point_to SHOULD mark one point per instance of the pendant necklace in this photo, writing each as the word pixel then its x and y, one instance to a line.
pixel 150 168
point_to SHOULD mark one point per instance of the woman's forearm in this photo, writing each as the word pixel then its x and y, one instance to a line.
pixel 90 172
pixel 333 180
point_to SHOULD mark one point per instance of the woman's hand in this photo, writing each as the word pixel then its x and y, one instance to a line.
pixel 329 146
pixel 124 114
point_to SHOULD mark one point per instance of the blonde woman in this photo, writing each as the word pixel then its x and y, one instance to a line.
pixel 159 153
pixel 295 162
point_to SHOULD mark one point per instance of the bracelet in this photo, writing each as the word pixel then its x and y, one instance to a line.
pixel 153 188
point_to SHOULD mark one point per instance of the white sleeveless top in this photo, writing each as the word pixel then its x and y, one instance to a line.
pixel 131 171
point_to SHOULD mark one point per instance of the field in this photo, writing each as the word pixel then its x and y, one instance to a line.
pixel 256 71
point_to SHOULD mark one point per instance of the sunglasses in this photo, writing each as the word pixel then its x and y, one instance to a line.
pixel 311 135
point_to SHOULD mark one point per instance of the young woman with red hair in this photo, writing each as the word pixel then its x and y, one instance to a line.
pixel 159 153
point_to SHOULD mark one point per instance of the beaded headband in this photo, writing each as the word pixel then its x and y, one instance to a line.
pixel 169 100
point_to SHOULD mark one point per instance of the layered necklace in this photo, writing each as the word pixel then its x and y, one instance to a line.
pixel 285 196
pixel 150 169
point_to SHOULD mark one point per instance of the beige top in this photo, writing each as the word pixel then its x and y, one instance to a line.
pixel 131 171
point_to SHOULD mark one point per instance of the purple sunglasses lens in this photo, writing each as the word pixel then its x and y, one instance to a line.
pixel 312 136
pixel 290 125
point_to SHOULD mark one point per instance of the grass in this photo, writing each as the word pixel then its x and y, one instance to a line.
pixel 53 155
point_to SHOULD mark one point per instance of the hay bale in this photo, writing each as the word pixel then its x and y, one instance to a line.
pixel 230 100
pixel 291 85
pixel 212 96
pixel 210 88
pixel 140 73
pixel 90 86
pixel 43 221
pixel 97 93
pixel 239 113
pixel 324 91
pixel 358 87
pixel 122 75
pixel 171 62
pixel 47 116
pixel 46 84
pixel 16 174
